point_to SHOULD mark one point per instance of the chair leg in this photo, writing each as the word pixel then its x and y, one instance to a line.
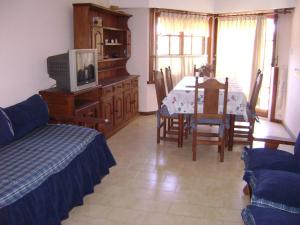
pixel 231 132
pixel 226 137
pixel 158 135
pixel 194 146
pixel 164 127
pixel 222 150
pixel 247 190
pixel 169 123
pixel 186 132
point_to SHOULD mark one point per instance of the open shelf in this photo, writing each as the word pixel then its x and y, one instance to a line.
pixel 114 29
pixel 113 59
pixel 82 104
pixel 113 44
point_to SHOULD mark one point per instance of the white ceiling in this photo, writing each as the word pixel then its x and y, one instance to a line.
pixel 212 6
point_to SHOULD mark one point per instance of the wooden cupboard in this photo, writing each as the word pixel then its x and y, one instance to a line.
pixel 116 96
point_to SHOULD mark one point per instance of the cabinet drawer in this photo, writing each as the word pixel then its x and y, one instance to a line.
pixel 118 87
pixel 127 85
pixel 107 91
pixel 134 83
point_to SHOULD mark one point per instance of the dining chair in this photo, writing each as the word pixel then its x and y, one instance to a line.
pixel 163 115
pixel 210 115
pixel 201 71
pixel 169 81
pixel 243 129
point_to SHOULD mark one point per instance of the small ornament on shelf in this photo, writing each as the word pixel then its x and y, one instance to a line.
pixel 97 21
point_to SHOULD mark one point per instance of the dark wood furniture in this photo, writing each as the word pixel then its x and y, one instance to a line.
pixel 210 116
pixel 169 80
pixel 242 129
pixel 115 99
pixel 163 115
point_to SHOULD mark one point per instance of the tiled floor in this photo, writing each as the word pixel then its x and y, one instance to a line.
pixel 161 185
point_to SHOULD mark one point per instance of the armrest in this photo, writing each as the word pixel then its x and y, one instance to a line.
pixel 273 142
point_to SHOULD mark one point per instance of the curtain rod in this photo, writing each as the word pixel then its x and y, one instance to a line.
pixel 182 12
pixel 252 13
pixel 258 13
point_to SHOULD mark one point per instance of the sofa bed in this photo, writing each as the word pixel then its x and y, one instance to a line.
pixel 46 169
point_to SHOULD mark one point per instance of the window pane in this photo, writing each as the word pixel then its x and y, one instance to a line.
pixel 163 45
pixel 174 45
pixel 187 45
pixel 197 45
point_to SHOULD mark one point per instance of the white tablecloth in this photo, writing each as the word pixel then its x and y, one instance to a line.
pixel 181 98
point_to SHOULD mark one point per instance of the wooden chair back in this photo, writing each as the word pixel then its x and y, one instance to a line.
pixel 200 72
pixel 212 89
pixel 159 87
pixel 256 90
pixel 169 80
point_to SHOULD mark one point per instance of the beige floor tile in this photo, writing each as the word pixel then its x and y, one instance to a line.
pixel 199 221
pixel 161 185
pixel 162 219
pixel 122 215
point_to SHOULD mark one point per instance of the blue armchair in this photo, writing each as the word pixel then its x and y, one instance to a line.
pixel 273 178
pixel 271 158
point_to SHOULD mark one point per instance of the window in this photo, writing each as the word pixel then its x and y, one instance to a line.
pixel 180 40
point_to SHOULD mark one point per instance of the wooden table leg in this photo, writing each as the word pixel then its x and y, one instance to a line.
pixel 180 127
pixel 231 132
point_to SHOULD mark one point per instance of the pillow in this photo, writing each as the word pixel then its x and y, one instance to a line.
pixel 28 115
pixel 6 130
pixel 276 189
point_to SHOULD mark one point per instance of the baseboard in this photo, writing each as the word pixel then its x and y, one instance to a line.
pixel 288 130
pixel 147 113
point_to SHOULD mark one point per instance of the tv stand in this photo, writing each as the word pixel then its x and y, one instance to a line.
pixel 116 97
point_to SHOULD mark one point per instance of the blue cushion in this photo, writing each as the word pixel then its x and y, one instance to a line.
pixel 28 115
pixel 6 130
pixel 263 158
pixel 276 189
pixel 253 215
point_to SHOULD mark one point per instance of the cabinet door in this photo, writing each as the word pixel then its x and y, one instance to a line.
pixel 107 106
pixel 134 101
pixel 118 108
pixel 127 105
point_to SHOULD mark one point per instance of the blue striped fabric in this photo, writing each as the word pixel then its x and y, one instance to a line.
pixel 28 162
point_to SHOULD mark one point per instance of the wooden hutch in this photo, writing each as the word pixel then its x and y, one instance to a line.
pixel 116 96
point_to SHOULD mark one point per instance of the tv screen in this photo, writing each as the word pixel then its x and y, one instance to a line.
pixel 75 70
pixel 85 68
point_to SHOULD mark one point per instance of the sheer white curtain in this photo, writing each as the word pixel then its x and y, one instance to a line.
pixel 174 23
pixel 235 49
pixel 180 42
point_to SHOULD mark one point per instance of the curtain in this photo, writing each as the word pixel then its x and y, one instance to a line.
pixel 177 32
pixel 284 27
pixel 235 49
pixel 174 23
pixel 262 59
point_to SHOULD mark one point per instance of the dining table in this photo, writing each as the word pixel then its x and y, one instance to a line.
pixel 181 101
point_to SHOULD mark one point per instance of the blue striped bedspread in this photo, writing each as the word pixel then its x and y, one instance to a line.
pixel 28 162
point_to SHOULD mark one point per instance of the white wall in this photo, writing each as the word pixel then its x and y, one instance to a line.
pixel 31 31
pixel 190 5
pixel 225 6
pixel 292 114
pixel 139 60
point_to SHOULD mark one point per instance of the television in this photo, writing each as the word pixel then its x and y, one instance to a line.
pixel 75 70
